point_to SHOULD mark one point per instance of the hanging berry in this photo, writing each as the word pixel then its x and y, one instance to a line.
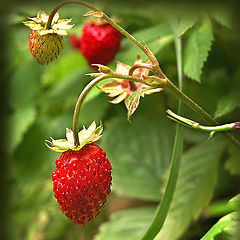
pixel 82 178
pixel 46 44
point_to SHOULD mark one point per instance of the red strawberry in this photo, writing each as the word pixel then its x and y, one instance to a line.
pixel 82 181
pixel 75 42
pixel 99 43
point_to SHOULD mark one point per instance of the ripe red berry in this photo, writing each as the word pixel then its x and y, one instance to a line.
pixel 81 182
pixel 99 43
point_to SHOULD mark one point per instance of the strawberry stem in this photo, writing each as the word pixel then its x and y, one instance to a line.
pixel 190 103
pixel 152 58
pixel 143 46
pixel 54 11
pixel 79 105
pixel 141 65
pixel 192 124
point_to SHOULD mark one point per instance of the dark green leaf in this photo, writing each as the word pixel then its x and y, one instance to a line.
pixel 155 37
pixel 140 153
pixel 232 163
pixel 63 67
pixel 195 186
pixel 128 224
pixel 222 15
pixel 23 89
pixel 180 26
pixel 196 50
pixel 227 104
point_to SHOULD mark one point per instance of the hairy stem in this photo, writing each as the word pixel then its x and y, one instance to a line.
pixel 188 101
pixel 54 11
pixel 190 123
pixel 144 48
pixel 79 105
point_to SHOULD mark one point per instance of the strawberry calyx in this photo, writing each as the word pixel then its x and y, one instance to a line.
pixel 121 89
pixel 58 26
pixel 85 136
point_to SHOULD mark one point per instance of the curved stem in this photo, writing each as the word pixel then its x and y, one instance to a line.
pixel 141 65
pixel 54 11
pixel 79 105
pixel 144 48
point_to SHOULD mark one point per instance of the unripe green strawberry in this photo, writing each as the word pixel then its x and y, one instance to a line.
pixel 81 182
pixel 45 43
pixel 45 48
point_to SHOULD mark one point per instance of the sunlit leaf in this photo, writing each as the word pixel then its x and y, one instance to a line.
pixel 227 228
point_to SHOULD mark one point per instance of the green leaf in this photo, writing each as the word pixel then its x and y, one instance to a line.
pixel 23 88
pixel 217 228
pixel 134 102
pixel 196 50
pixel 19 123
pixel 63 67
pixel 127 224
pixel 226 228
pixel 134 99
pixel 155 37
pixel 227 104
pixel 140 154
pixel 32 158
pixel 232 163
pixel 182 25
pixel 222 15
pixel 195 186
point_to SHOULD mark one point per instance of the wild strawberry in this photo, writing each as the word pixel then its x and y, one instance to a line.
pixel 99 43
pixel 46 44
pixel 81 182
pixel 45 48
pixel 82 178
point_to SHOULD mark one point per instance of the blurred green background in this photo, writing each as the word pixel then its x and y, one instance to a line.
pixel 40 104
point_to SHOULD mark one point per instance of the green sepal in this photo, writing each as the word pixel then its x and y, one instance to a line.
pixel 85 136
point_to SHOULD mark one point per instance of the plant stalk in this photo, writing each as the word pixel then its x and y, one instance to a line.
pixel 165 203
pixel 144 48
pixel 79 105
pixel 155 65
pixel 194 106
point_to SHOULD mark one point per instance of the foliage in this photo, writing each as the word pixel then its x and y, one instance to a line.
pixel 42 99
